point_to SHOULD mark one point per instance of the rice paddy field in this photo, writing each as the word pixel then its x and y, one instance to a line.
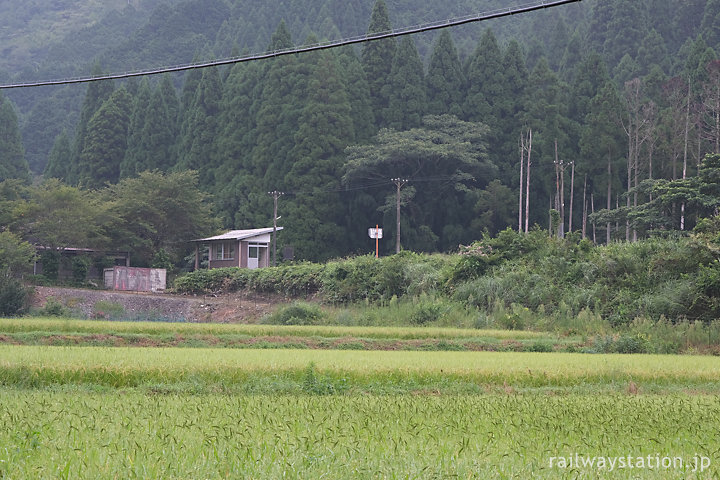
pixel 88 411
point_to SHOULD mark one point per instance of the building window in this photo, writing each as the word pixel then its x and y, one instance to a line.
pixel 224 251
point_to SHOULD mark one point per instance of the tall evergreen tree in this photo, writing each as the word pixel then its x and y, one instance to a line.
pixel 198 137
pixel 135 154
pixel 157 136
pixel 59 158
pixel 602 146
pixel 97 93
pixel 316 221
pixel 510 107
pixel 485 81
pixel 445 79
pixel 547 116
pixel 106 142
pixel 377 61
pixel 234 177
pixel 278 116
pixel 653 51
pixel 172 104
pixel 12 154
pixel 710 26
pixel 358 92
pixel 406 88
pixel 627 28
pixel 486 87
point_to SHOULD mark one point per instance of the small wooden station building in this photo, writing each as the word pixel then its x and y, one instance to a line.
pixel 237 248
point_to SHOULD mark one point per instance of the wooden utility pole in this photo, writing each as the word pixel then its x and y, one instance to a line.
pixel 275 194
pixel 399 183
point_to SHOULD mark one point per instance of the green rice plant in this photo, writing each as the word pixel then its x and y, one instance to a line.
pixel 15 325
pixel 377 371
pixel 176 434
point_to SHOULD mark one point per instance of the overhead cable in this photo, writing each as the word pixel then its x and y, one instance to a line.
pixel 502 12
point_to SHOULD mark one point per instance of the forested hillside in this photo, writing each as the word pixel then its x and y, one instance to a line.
pixel 608 107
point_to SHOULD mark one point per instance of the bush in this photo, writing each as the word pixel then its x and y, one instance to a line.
pixel 14 297
pixel 53 308
pixel 80 268
pixel 426 311
pixel 298 313
pixel 50 260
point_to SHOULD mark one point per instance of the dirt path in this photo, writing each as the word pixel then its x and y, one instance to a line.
pixel 228 308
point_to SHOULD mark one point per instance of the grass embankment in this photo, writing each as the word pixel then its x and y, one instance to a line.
pixel 652 296
pixel 47 331
pixel 105 435
pixel 327 372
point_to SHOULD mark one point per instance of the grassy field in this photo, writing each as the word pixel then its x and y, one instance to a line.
pixel 68 434
pixel 129 412
pixel 57 332
pixel 337 371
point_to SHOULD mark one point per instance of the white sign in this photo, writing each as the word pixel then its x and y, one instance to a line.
pixel 375 232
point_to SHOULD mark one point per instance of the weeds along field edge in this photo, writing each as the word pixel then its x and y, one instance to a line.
pixel 16 325
pixel 336 371
pixel 51 434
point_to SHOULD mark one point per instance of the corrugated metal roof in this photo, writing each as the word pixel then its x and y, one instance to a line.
pixel 239 234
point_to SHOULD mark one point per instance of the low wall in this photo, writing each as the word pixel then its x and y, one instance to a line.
pixel 135 279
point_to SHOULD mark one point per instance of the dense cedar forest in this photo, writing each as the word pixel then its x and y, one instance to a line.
pixel 592 117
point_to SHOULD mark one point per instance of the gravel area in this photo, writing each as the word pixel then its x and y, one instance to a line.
pixel 231 308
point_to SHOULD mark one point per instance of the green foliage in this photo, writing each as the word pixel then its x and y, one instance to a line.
pixel 105 142
pixel 298 313
pixel 427 311
pixel 16 256
pixel 162 260
pixel 159 211
pixel 50 260
pixel 108 310
pixel 14 296
pixel 80 267
pixel 13 163
pixel 204 281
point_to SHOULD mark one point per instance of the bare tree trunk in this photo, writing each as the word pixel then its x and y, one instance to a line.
pixel 592 209
pixel 635 201
pixel 557 188
pixel 562 200
pixel 550 225
pixel 527 180
pixel 608 232
pixel 685 154
pixel 629 184
pixel 520 202
pixel 584 214
pixel 572 193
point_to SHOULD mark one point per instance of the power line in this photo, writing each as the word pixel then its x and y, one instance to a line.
pixel 499 13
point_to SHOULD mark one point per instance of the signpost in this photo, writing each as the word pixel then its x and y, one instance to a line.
pixel 376 233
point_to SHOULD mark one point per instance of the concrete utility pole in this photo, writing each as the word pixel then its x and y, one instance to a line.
pixel 399 183
pixel 275 194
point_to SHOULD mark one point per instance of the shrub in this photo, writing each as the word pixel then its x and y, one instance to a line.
pixel 80 268
pixel 14 297
pixel 426 311
pixel 53 308
pixel 108 310
pixel 298 313
pixel 50 260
